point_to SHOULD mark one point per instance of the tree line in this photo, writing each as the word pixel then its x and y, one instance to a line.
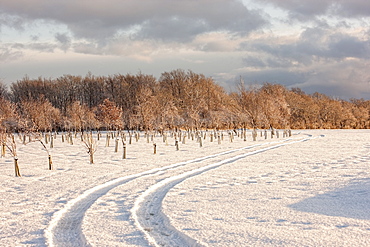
pixel 178 99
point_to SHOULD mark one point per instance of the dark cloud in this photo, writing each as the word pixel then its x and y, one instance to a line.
pixel 281 76
pixel 352 8
pixel 64 40
pixel 320 59
pixel 344 46
pixel 13 21
pixel 306 10
pixel 343 80
pixel 314 45
pixel 155 19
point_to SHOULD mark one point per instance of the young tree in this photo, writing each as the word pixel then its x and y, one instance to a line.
pixel 91 145
pixel 11 145
pixel 38 137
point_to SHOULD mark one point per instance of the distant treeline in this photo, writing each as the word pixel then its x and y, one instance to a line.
pixel 178 99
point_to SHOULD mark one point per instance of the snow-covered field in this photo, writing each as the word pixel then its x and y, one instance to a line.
pixel 312 189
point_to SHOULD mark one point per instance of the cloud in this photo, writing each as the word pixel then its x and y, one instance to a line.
pixel 178 21
pixel 352 8
pixel 64 40
pixel 319 59
pixel 318 44
pixel 8 54
pixel 346 79
pixel 306 10
pixel 312 46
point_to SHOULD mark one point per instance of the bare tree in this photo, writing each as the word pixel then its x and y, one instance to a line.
pixel 3 143
pixel 36 136
pixel 41 115
pixel 91 145
pixel 81 117
pixel 110 115
pixel 11 145
pixel 250 107
pixel 179 99
pixel 3 91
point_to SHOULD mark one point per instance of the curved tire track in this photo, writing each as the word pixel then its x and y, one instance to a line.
pixel 148 214
pixel 65 227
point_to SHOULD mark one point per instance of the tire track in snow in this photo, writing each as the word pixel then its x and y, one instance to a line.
pixel 65 226
pixel 147 211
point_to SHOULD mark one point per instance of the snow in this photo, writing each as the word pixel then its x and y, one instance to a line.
pixel 311 189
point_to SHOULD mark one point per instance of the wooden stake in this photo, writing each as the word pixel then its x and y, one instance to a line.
pixel 124 150
pixel 107 140
pixel 50 163
pixel 116 146
pixel 17 173
pixel 52 142
pixel 254 134
pixel 3 149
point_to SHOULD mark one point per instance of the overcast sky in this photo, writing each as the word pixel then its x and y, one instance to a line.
pixel 316 45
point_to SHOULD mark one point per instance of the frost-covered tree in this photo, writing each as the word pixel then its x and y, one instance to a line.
pixel 81 117
pixel 109 115
pixel 40 114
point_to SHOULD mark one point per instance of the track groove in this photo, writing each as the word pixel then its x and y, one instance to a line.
pixel 65 227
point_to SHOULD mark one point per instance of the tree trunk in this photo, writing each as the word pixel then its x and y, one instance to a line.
pixel 91 157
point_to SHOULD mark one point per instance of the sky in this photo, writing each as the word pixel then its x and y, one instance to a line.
pixel 317 45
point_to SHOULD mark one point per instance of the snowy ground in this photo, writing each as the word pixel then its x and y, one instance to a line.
pixel 312 189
